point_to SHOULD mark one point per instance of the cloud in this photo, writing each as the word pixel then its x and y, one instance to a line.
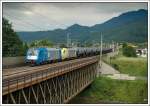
pixel 48 16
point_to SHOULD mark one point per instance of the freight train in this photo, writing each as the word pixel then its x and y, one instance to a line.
pixel 43 55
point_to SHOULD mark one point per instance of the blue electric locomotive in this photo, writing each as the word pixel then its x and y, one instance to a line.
pixel 36 56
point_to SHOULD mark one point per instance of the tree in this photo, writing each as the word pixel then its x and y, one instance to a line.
pixel 128 51
pixel 124 45
pixel 63 45
pixel 24 49
pixel 11 44
pixel 45 43
pixel 88 44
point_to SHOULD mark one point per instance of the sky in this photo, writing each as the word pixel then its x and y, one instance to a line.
pixel 49 16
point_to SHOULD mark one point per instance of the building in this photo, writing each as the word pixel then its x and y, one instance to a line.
pixel 142 52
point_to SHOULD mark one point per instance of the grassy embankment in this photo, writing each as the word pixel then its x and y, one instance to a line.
pixel 106 90
pixel 135 66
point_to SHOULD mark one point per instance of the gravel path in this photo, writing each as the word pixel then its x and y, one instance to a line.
pixel 122 77
pixel 107 69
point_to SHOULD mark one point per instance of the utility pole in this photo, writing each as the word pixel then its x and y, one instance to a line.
pixel 68 40
pixel 101 49
pixel 113 45
pixel 100 61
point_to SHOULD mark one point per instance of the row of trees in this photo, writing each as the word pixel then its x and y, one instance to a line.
pixel 39 43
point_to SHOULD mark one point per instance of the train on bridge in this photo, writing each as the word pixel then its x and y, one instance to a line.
pixel 51 83
pixel 43 55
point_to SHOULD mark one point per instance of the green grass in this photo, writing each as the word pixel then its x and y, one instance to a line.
pixel 105 90
pixel 128 65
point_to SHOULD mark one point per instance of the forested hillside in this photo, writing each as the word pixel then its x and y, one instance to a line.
pixel 130 26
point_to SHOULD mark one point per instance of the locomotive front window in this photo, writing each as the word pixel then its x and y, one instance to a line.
pixel 33 52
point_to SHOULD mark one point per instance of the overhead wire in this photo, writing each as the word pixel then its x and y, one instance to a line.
pixel 20 23
pixel 43 17
pixel 24 21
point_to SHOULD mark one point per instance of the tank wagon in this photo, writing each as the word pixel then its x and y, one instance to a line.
pixel 42 55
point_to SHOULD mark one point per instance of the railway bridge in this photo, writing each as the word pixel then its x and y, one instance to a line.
pixel 48 84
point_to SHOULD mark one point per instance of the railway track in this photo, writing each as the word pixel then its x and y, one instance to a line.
pixel 17 78
pixel 25 69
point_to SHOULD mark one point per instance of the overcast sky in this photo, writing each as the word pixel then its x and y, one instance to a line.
pixel 49 16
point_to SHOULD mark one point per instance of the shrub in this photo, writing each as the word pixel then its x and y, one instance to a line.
pixel 115 66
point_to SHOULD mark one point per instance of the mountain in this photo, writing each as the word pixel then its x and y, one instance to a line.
pixel 130 26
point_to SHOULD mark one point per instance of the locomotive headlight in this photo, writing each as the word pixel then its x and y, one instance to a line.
pixel 32 57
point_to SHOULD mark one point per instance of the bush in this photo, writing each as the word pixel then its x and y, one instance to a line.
pixel 115 66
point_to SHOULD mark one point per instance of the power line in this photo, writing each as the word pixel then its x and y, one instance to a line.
pixel 28 23
pixel 42 15
pixel 24 25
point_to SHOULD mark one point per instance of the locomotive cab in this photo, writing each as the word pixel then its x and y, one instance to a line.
pixel 36 56
pixel 32 56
